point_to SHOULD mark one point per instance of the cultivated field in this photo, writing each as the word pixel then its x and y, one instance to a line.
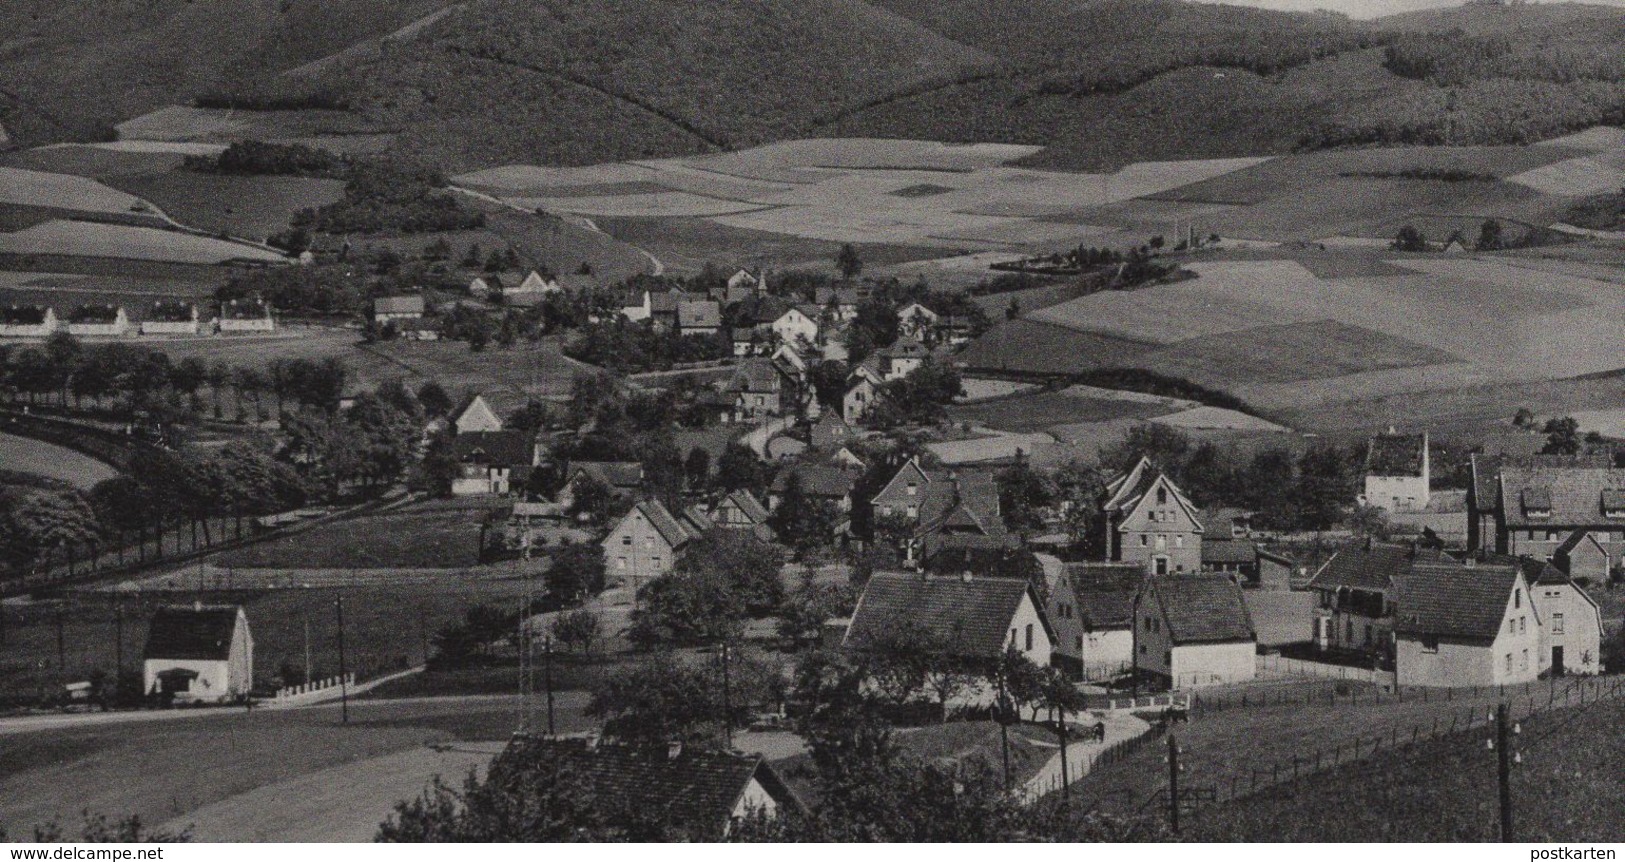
pixel 125 241
pixel 408 539
pixel 851 190
pixel 1037 411
pixel 250 207
pixel 61 191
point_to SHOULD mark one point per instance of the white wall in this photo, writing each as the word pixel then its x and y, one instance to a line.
pixel 1110 648
pixel 1581 637
pixel 1027 615
pixel 1412 492
pixel 1197 665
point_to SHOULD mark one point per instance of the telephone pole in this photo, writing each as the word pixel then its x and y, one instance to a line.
pixel 527 667
pixel 547 664
pixel 344 684
pixel 1173 784
pixel 1503 745
pixel 727 700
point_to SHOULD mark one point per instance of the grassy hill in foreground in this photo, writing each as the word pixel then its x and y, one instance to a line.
pixel 1567 789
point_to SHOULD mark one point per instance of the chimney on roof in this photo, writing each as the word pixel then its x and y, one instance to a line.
pixel 673 749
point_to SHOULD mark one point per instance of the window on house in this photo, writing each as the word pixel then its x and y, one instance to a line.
pixel 1162 496
pixel 1517 598
pixel 1551 535
pixel 1429 643
pixel 1523 624
pixel 913 489
pixel 1509 662
pixel 626 541
pixel 1179 541
pixel 1524 664
pixel 1144 540
pixel 656 561
pixel 1512 627
pixel 913 511
pixel 620 563
pixel 1142 649
pixel 1029 638
pixel 1557 624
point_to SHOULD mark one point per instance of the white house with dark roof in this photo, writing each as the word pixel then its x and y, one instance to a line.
pixel 390 308
pixel 475 414
pixel 198 654
pixel 797 325
pixel 1462 626
pixel 98 321
pixel 1397 472
pixel 171 317
pixel 1356 593
pixel 246 315
pixel 739 510
pixel 976 619
pixel 27 321
pixel 1570 622
pixel 1194 630
pixel 1095 606
pixel 645 543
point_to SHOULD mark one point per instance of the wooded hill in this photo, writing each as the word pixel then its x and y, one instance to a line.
pixel 1099 82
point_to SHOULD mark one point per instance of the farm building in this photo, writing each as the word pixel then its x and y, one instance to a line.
pixel 171 317
pixel 388 308
pixel 975 618
pixel 481 288
pixel 646 542
pixel 1356 593
pixel 760 390
pixel 1484 490
pixel 475 414
pixel 915 321
pixel 1397 472
pixel 417 328
pixel 746 341
pixel 699 317
pixel 1150 521
pixel 1466 626
pixel 797 325
pixel 683 790
pixel 198 654
pixel 621 479
pixel 739 511
pixel 1540 510
pixel 1570 621
pixel 1237 558
pixel 27 321
pixel 98 321
pixel 1102 598
pixel 246 315
pixel 492 462
pixel 830 431
pixel 1194 630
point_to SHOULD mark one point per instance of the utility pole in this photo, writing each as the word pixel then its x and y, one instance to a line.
pixel 1060 730
pixel 307 650
pixel 527 668
pixel 344 685
pixel 1004 726
pixel 547 664
pixel 1173 784
pixel 1503 745
pixel 118 636
pixel 61 649
pixel 727 700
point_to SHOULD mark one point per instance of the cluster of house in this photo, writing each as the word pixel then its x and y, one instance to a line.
pixel 409 316
pixel 164 317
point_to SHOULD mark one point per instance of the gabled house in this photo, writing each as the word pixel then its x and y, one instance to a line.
pixel 246 315
pixel 842 302
pixel 1194 630
pixel 1466 626
pixel 739 510
pixel 1150 521
pixel 748 281
pixel 535 283
pixel 480 288
pixel 1540 508
pixel 824 482
pixel 976 619
pixel 930 501
pixel 901 358
pixel 797 325
pixel 1356 594
pixel 388 308
pixel 623 479
pixel 98 321
pixel 27 321
pixel 830 431
pixel 915 321
pixel 1397 473
pixel 861 394
pixel 1570 621
pixel 1484 489
pixel 1096 601
pixel 171 317
pixel 475 414
pixel 492 462
pixel 698 317
pixel 671 793
pixel 759 389
pixel 645 543
pixel 198 654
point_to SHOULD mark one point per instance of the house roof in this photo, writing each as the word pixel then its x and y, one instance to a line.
pixel 172 311
pixel 971 615
pixel 1456 601
pixel 699 313
pixel 620 475
pixel 1372 566
pixel 1126 491
pixel 1105 592
pixel 197 632
pixel 674 531
pixel 492 447
pixel 244 309
pixel 1573 541
pixel 23 315
pixel 1229 551
pixel 747 504
pixel 692 788
pixel 398 305
pixel 1202 608
pixel 954 553
pixel 818 480
pixel 755 374
pixel 664 303
pixel 1396 455
pixel 904 348
pixel 94 313
pixel 1572 495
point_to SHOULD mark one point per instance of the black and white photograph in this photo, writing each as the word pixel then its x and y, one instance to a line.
pixel 1128 422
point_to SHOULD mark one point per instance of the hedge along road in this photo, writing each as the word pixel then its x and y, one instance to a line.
pixel 26 455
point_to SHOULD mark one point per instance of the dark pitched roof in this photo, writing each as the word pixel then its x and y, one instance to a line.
pixel 1202 608
pixel 747 503
pixel 1573 541
pixel 172 311
pixel 699 314
pixel 1573 495
pixel 692 789
pixel 93 313
pixel 617 475
pixel 1364 566
pixel 973 614
pixel 23 315
pixel 194 633
pixel 492 447
pixel 1229 551
pixel 755 375
pixel 956 553
pixel 670 528
pixel 1396 455
pixel 1449 600
pixel 1105 592
pixel 398 305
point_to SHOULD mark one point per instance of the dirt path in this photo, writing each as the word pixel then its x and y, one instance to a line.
pixel 658 268
pixel 1080 756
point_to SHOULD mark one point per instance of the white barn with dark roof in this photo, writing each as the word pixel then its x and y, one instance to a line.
pixel 199 654
pixel 978 618
pixel 1194 631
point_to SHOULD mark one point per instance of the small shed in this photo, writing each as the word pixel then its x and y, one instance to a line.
pixel 199 654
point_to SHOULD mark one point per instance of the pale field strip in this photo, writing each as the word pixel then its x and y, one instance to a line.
pixel 1366 385
pixel 89 239
pixel 61 191
pixel 1596 139
pixel 181 123
pixel 1586 175
pixel 1217 419
pixel 18 280
pixel 188 148
pixel 1609 423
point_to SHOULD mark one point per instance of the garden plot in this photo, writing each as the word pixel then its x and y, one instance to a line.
pixel 1288 352
pixel 62 191
pixel 124 241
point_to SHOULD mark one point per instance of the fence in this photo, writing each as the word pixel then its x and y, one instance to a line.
pixel 1107 703
pixel 301 692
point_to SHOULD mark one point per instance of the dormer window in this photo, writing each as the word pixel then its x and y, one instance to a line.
pixel 1537 503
